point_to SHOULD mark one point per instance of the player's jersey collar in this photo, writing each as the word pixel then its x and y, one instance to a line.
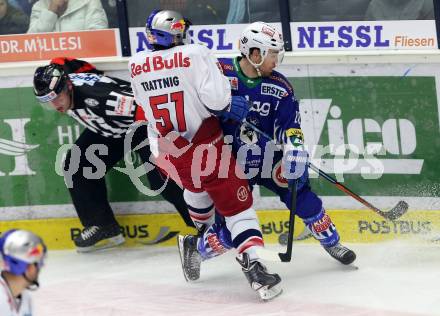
pixel 248 82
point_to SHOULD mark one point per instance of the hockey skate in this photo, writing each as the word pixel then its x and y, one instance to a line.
pixel 341 253
pixel 189 256
pixel 264 283
pixel 95 238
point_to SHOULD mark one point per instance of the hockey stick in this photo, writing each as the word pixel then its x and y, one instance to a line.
pixel 393 214
pixel 284 256
pixel 287 256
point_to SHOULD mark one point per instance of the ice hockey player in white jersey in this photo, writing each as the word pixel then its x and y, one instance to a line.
pixel 22 253
pixel 183 93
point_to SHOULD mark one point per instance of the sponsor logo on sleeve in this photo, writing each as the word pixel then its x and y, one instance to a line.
pixel 273 90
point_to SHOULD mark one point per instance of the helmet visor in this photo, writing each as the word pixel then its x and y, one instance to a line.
pixel 47 97
pixel 280 56
pixel 60 102
pixel 276 56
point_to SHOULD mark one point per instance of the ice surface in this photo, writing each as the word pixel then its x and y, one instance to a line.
pixel 393 279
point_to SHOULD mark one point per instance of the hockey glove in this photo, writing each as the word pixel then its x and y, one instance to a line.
pixel 237 110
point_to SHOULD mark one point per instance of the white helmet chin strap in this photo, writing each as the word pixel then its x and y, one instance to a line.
pixel 257 66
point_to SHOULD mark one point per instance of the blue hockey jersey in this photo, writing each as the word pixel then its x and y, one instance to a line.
pixel 275 110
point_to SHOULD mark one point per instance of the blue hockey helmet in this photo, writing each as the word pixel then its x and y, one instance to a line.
pixel 165 29
pixel 20 248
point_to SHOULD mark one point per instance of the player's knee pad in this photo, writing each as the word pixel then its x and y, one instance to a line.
pixel 216 240
pixel 201 208
pixel 323 229
pixel 245 230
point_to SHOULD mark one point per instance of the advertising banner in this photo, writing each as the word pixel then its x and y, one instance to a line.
pixel 367 127
pixel 318 36
pixel 370 130
pixel 374 128
pixel 161 229
pixel 365 35
pixel 43 46
pixel 220 39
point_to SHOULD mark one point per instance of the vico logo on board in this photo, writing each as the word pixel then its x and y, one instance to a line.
pixel 348 141
pixel 16 148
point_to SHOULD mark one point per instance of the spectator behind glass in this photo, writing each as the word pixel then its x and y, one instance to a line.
pixel 67 15
pixel 112 13
pixel 199 12
pixel 327 10
pixel 23 5
pixel 400 10
pixel 248 11
pixel 12 20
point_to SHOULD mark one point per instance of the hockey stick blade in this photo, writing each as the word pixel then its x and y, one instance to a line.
pixel 397 211
pixel 270 255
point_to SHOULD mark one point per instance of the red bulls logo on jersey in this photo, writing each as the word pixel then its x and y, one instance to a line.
pixel 157 63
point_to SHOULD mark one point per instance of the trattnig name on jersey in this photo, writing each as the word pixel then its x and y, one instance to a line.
pixel 161 83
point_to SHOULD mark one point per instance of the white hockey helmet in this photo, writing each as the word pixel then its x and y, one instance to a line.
pixel 264 37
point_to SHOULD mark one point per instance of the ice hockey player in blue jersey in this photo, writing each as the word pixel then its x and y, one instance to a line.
pixel 275 111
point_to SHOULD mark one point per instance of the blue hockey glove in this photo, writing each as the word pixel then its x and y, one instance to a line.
pixel 295 165
pixel 237 110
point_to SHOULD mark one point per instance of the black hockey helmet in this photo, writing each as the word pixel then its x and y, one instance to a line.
pixel 49 81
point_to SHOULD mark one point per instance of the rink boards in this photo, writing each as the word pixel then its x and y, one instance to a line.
pixel 161 229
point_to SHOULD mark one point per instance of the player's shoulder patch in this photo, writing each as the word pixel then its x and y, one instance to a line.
pixel 297 134
pixel 226 64
pixel 79 79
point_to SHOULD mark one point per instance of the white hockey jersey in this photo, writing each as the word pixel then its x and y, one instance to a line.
pixel 178 88
pixel 10 306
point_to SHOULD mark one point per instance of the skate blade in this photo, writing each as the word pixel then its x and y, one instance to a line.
pixel 189 277
pixel 181 254
pixel 103 244
pixel 267 294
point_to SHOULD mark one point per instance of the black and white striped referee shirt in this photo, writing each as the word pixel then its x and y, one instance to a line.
pixel 104 105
